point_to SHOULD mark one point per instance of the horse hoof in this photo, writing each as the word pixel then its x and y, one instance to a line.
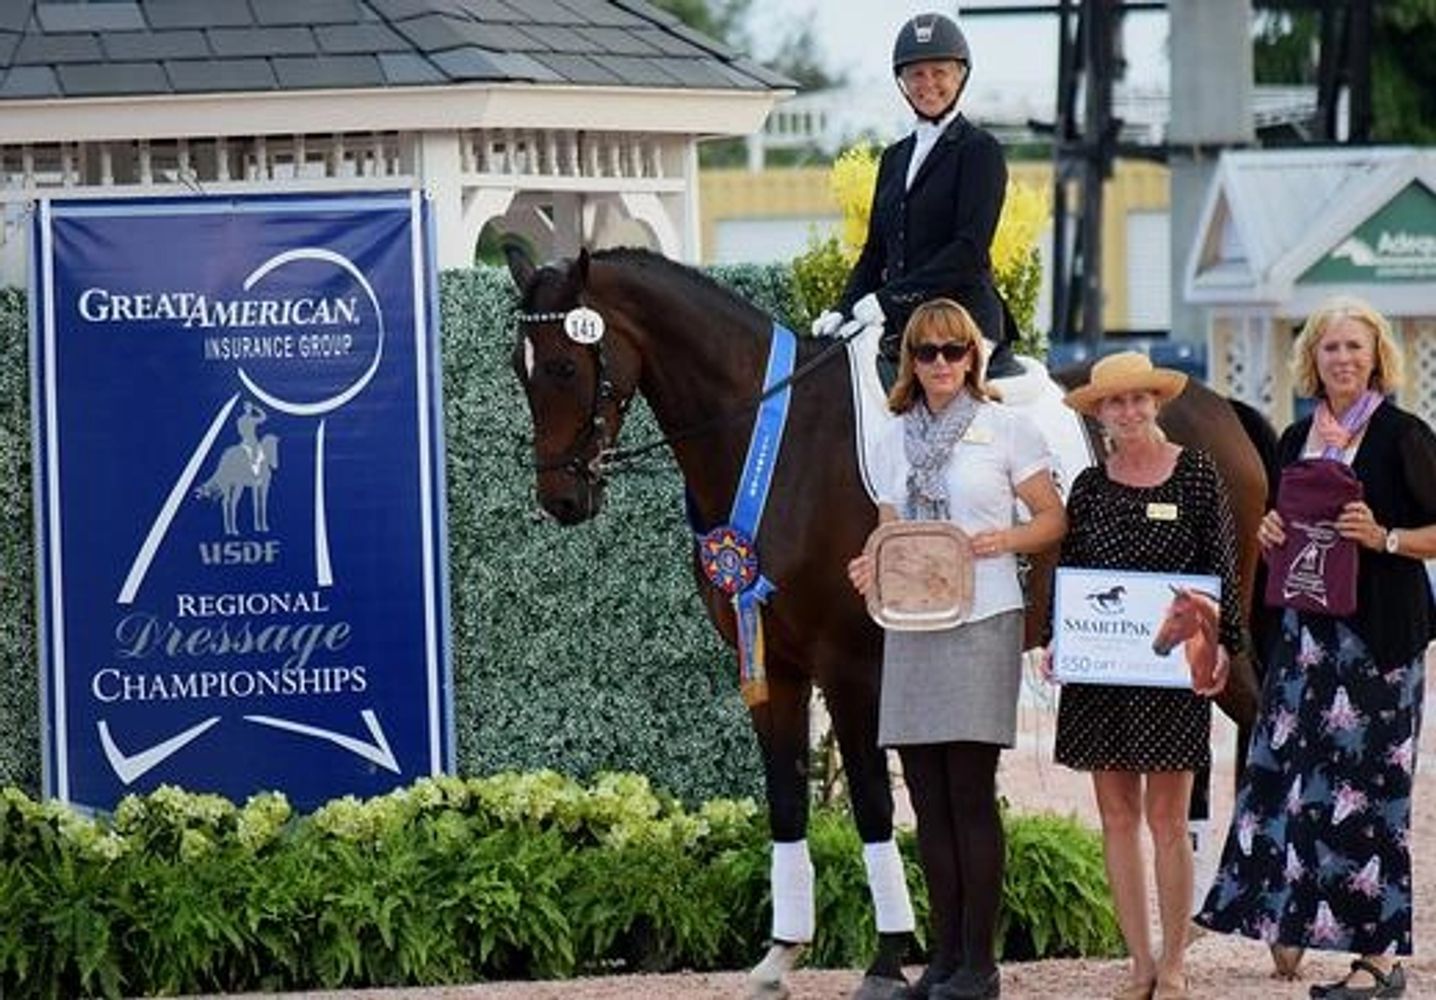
pixel 767 989
pixel 1287 959
pixel 881 988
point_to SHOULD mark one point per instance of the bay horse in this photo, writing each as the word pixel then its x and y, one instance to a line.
pixel 698 354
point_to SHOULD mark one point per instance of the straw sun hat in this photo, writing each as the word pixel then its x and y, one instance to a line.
pixel 1125 371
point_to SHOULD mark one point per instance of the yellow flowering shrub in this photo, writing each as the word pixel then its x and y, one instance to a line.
pixel 852 179
pixel 1025 214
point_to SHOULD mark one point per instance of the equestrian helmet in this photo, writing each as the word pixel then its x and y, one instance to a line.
pixel 930 36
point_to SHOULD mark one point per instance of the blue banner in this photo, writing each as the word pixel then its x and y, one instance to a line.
pixel 239 497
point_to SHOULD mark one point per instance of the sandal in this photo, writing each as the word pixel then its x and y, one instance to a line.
pixel 1286 958
pixel 1178 990
pixel 1136 991
pixel 1386 985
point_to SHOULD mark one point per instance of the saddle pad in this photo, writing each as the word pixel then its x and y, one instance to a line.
pixel 1033 393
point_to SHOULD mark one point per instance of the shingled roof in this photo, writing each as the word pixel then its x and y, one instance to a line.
pixel 54 49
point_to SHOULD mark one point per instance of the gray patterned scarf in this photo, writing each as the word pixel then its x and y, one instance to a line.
pixel 928 440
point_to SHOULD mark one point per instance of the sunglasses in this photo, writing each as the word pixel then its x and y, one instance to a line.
pixel 952 352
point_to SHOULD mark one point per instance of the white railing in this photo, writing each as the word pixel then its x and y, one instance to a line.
pixel 526 153
pixel 142 163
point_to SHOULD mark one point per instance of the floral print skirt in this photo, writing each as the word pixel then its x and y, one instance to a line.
pixel 1319 854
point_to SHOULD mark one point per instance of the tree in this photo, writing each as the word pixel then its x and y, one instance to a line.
pixel 720 19
pixel 797 54
pixel 1403 76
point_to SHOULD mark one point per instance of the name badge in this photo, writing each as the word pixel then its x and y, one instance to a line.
pixel 976 435
pixel 1161 512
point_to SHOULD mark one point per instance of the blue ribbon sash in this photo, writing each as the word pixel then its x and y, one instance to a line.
pixel 728 553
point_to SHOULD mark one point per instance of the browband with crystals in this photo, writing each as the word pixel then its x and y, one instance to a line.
pixel 581 324
pixel 553 317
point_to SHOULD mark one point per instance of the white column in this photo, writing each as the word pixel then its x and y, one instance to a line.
pixel 689 221
pixel 567 224
pixel 439 173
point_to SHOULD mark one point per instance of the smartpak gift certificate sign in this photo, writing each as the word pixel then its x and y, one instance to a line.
pixel 239 496
pixel 1133 628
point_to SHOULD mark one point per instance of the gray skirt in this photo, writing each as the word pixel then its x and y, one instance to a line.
pixel 957 684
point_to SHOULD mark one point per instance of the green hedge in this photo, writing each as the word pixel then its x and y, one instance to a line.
pixel 19 678
pixel 580 649
pixel 452 880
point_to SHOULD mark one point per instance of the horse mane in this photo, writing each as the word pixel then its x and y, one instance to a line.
pixel 1196 592
pixel 641 257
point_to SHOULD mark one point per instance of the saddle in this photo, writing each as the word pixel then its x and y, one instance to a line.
pixel 1032 391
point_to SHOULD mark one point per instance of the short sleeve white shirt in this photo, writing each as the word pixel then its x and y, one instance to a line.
pixel 1001 449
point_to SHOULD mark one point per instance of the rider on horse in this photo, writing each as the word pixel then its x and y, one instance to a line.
pixel 935 207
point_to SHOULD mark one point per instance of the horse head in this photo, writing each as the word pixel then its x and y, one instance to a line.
pixel 1191 612
pixel 579 372
pixel 1178 622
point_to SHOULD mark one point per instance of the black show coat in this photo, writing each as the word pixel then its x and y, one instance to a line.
pixel 933 239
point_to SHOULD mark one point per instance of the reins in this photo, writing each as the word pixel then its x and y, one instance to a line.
pixel 621 459
pixel 732 416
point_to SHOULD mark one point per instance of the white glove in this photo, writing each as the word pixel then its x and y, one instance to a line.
pixel 869 311
pixel 827 324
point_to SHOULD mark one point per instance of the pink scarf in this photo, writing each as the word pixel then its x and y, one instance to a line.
pixel 1336 434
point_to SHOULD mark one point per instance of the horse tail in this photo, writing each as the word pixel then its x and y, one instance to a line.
pixel 1264 621
pixel 1264 438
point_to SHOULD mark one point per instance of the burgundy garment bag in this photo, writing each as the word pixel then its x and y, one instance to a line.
pixel 1315 570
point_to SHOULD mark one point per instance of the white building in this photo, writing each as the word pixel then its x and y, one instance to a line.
pixel 569 121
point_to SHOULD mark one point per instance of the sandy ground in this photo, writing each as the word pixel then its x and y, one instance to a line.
pixel 1219 967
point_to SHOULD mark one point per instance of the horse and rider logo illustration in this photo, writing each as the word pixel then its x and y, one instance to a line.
pixel 248 465
pixel 1107 602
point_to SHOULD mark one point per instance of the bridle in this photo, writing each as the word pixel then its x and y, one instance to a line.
pixel 607 458
pixel 571 459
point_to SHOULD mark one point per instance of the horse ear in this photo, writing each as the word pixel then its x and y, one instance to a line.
pixel 582 267
pixel 521 268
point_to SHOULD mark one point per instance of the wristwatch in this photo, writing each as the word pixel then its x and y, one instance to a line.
pixel 1393 540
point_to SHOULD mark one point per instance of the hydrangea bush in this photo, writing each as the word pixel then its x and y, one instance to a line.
pixel 451 880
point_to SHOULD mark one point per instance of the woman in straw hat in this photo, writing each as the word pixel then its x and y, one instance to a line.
pixel 1155 507
pixel 949 697
pixel 1319 853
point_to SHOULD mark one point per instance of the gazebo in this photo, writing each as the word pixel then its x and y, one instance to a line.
pixel 568 121
pixel 1283 230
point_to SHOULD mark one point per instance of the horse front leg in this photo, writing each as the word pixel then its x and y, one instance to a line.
pixel 853 708
pixel 782 727
pixel 229 503
pixel 260 492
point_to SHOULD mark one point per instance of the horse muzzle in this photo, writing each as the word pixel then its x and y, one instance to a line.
pixel 569 499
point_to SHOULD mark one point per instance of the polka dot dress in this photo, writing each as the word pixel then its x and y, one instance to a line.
pixel 1116 728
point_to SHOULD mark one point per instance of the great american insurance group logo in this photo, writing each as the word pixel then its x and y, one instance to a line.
pixel 262 337
pixel 298 357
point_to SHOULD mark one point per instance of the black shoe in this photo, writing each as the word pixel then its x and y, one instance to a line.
pixel 965 984
pixel 1388 984
pixel 1002 364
